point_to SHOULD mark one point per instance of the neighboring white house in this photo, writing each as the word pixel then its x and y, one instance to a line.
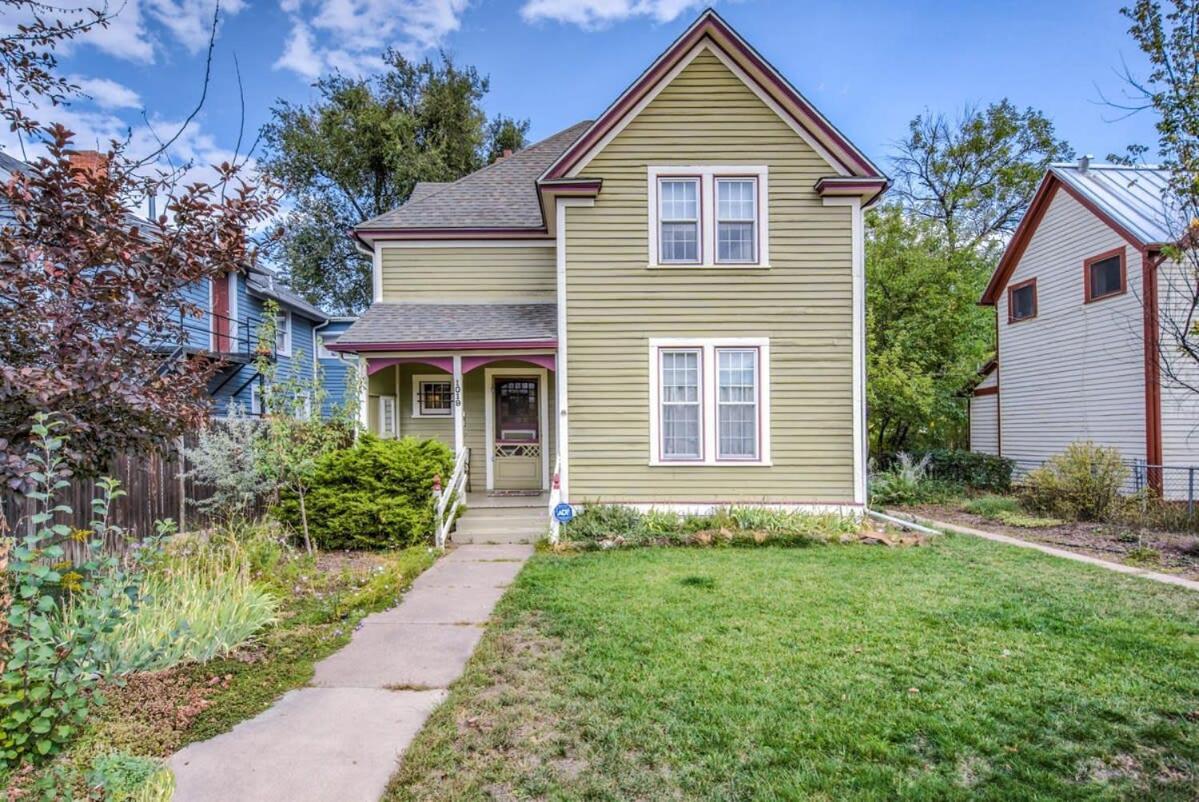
pixel 1079 296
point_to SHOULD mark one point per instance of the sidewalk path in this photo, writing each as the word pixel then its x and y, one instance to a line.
pixel 1120 568
pixel 340 738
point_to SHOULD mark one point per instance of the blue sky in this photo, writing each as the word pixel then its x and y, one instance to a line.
pixel 868 65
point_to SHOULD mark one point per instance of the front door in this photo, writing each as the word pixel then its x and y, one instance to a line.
pixel 517 446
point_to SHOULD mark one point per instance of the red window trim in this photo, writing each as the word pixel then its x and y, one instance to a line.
pixel 1087 264
pixel 757 455
pixel 716 221
pixel 699 219
pixel 698 350
pixel 1032 282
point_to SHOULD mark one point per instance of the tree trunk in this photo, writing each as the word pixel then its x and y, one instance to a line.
pixel 304 520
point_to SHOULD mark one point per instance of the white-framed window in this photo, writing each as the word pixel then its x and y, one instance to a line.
pixel 256 401
pixel 736 220
pixel 678 220
pixel 387 416
pixel 283 334
pixel 709 401
pixel 432 396
pixel 709 216
pixel 322 346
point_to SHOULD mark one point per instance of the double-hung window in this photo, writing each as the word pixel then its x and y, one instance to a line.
pixel 678 216
pixel 708 216
pixel 283 334
pixel 710 401
pixel 682 438
pixel 736 220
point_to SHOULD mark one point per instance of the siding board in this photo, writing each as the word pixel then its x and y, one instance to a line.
pixel 485 273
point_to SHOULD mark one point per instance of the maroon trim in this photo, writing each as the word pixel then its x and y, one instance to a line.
pixel 1153 385
pixel 731 502
pixel 1087 264
pixel 443 345
pixel 699 389
pixel 579 185
pixel 827 186
pixel 1032 282
pixel 711 26
pixel 980 391
pixel 454 233
pixel 716 179
pixel 699 220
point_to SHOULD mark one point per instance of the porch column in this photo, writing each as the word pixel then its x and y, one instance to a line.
pixel 457 389
pixel 363 395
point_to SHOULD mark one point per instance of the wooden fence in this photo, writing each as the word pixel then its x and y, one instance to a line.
pixel 155 489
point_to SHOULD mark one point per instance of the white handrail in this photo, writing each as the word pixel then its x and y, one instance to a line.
pixel 555 500
pixel 451 496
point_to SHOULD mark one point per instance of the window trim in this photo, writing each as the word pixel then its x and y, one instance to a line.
pixel 257 400
pixel 716 221
pixel 1087 264
pixel 440 378
pixel 708 173
pixel 1011 290
pixel 698 180
pixel 708 407
pixel 757 352
pixel 286 349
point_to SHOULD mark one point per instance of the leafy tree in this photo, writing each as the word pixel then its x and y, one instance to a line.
pixel 1171 90
pixel 926 335
pixel 975 176
pixel 359 150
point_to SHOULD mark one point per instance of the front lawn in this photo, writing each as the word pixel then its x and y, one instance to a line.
pixel 962 669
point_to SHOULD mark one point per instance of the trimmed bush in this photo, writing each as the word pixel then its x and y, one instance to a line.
pixel 374 495
pixel 1081 484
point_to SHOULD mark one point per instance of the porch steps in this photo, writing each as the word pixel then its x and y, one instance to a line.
pixel 504 519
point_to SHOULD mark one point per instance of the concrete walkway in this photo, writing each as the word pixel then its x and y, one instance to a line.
pixel 1120 568
pixel 340 738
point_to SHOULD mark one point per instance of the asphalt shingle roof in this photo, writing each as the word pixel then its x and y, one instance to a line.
pixel 386 323
pixel 501 195
pixel 259 281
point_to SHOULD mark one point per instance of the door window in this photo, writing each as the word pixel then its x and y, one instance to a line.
pixel 517 418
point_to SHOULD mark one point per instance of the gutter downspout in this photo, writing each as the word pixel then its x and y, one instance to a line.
pixel 901 522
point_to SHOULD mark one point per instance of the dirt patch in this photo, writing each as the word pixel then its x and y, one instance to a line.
pixel 357 563
pixel 1172 552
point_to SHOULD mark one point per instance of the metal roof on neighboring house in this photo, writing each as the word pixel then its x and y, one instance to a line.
pixel 501 195
pixel 1135 197
pixel 408 324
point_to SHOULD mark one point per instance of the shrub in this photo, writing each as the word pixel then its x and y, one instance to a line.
pixel 1082 483
pixel 199 604
pixel 376 494
pixel 991 506
pixel 225 459
pixel 970 468
pixel 907 481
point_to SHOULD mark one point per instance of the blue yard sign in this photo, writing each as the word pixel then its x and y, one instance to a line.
pixel 563 513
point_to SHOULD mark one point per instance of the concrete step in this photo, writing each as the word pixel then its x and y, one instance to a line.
pixel 539 512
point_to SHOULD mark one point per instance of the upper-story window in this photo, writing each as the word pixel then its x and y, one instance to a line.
pixel 283 334
pixel 322 346
pixel 736 219
pixel 678 220
pixel 1105 275
pixel 1022 301
pixel 708 216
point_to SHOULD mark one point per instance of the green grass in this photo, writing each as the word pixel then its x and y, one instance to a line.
pixel 960 670
pixel 992 506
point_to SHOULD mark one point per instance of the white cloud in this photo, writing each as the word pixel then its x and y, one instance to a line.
pixel 190 21
pixel 350 35
pixel 106 93
pixel 593 14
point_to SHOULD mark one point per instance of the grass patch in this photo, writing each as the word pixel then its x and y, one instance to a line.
pixel 991 506
pixel 966 669
pixel 1028 521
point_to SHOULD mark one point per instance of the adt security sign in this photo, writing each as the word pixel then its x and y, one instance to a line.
pixel 563 513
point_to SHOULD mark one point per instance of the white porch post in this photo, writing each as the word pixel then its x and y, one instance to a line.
pixel 458 435
pixel 363 395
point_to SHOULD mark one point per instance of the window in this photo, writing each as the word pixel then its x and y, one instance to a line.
pixel 737 403
pixel 736 219
pixel 387 416
pixel 713 216
pixel 322 349
pixel 710 401
pixel 681 405
pixel 256 406
pixel 432 397
pixel 1105 275
pixel 283 334
pixel 1022 301
pixel 678 218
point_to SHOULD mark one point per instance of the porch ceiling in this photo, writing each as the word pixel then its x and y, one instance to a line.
pixel 410 326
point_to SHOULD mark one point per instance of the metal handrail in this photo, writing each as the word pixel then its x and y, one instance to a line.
pixel 450 497
pixel 555 500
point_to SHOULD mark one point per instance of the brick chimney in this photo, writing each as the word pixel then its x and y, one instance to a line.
pixel 93 162
pixel 507 152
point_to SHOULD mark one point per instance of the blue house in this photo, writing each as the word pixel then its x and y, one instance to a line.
pixel 229 326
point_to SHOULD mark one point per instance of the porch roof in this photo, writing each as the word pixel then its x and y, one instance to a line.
pixel 412 326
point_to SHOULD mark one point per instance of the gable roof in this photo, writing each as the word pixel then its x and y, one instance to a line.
pixel 502 195
pixel 1132 201
pixel 264 283
pixel 712 28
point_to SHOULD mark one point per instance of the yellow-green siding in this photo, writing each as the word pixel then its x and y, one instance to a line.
pixel 476 273
pixel 803 303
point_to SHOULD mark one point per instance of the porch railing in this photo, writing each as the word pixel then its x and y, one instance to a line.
pixel 448 500
pixel 555 500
